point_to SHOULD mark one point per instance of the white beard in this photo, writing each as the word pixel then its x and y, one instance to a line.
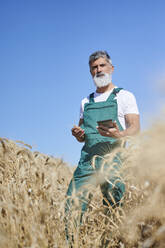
pixel 102 81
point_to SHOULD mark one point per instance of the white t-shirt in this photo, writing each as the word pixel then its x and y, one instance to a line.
pixel 125 100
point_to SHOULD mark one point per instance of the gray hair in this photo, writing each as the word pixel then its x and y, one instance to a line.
pixel 97 55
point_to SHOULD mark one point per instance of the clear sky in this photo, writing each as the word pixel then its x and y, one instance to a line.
pixel 44 74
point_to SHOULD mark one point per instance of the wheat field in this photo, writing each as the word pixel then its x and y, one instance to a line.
pixel 33 195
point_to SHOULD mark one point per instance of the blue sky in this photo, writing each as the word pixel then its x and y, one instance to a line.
pixel 44 74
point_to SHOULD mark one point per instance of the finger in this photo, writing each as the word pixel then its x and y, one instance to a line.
pixel 75 133
pixel 115 125
pixel 112 130
pixel 80 133
pixel 102 127
pixel 102 132
pixel 76 129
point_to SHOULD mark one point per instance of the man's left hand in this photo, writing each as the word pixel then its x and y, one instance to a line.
pixel 113 132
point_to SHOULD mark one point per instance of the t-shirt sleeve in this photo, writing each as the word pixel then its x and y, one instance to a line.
pixel 85 100
pixel 81 111
pixel 129 105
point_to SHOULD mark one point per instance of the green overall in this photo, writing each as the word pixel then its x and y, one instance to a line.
pixel 96 144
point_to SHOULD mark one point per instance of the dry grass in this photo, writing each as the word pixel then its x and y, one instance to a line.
pixel 32 192
pixel 32 198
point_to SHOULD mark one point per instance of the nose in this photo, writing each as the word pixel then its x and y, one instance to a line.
pixel 99 69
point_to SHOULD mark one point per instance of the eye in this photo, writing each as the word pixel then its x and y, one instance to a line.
pixel 94 67
pixel 102 65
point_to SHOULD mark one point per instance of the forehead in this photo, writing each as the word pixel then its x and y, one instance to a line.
pixel 100 60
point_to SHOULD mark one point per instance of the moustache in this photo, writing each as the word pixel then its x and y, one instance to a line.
pixel 100 74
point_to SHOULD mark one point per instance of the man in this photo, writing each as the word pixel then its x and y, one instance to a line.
pixel 107 102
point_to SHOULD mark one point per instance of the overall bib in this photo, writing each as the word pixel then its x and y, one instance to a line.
pixel 96 145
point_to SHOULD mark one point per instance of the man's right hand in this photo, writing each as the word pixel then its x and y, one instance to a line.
pixel 78 133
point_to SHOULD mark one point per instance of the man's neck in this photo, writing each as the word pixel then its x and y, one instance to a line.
pixel 105 88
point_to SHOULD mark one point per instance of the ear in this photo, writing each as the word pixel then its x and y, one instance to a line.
pixel 112 68
pixel 91 73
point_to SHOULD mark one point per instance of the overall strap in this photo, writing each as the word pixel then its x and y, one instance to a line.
pixel 111 97
pixel 114 93
pixel 91 97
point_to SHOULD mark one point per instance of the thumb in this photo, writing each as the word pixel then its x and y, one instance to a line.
pixel 115 125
